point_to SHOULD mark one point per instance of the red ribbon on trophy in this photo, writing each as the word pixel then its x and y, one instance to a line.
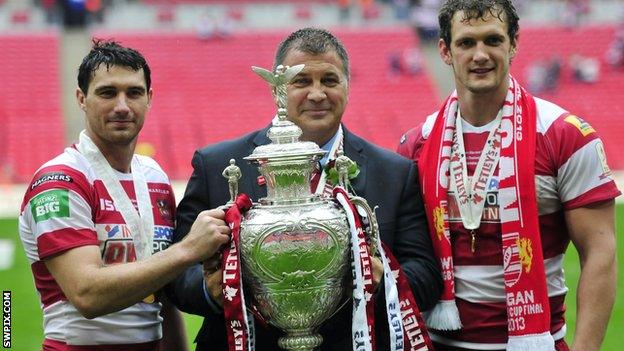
pixel 238 325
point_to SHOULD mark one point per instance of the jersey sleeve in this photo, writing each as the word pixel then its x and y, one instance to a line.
pixel 411 143
pixel 583 174
pixel 58 211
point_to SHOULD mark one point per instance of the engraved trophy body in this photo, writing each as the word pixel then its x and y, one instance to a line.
pixel 294 244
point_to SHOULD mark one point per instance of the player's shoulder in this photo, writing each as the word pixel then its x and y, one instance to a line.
pixel 65 167
pixel 152 169
pixel 557 122
pixel 412 140
pixel 68 171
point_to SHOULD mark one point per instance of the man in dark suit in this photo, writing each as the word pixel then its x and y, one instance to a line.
pixel 317 97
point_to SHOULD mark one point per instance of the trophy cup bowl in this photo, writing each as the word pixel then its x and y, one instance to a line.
pixel 295 260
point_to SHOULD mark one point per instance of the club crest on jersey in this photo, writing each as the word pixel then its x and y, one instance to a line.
pixel 51 176
pixel 512 265
pixel 50 204
pixel 525 253
pixel 580 124
pixel 163 208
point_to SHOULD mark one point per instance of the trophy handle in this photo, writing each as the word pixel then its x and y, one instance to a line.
pixel 373 228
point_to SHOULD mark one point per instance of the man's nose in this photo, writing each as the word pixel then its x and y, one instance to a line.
pixel 480 54
pixel 121 105
pixel 317 93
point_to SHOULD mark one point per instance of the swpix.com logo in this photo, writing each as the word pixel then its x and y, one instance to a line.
pixel 6 319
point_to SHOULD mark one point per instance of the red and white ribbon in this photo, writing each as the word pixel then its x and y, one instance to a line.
pixel 363 308
pixel 238 322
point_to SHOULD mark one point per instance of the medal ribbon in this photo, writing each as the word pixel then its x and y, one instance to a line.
pixel 470 193
pixel 141 223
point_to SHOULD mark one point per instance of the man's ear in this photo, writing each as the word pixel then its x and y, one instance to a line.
pixel 445 52
pixel 81 98
pixel 514 47
pixel 150 93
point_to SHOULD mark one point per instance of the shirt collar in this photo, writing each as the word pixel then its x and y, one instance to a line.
pixel 327 147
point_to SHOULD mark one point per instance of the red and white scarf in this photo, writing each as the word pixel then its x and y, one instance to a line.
pixel 528 310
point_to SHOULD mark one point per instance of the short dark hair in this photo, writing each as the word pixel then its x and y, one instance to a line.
pixel 477 10
pixel 110 53
pixel 312 41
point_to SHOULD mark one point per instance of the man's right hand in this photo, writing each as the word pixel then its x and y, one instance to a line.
pixel 208 233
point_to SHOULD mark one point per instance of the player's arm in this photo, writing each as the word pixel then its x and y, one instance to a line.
pixel 95 289
pixel 593 234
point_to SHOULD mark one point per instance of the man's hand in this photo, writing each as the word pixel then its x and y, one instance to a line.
pixel 213 276
pixel 377 271
pixel 208 233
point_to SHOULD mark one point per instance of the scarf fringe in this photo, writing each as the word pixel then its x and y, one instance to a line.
pixel 444 316
pixel 533 342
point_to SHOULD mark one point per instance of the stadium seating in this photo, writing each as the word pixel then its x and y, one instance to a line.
pixel 30 104
pixel 205 91
pixel 598 103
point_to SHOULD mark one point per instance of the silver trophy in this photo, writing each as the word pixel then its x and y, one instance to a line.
pixel 294 244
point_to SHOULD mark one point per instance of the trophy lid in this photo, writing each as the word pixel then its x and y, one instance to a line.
pixel 283 133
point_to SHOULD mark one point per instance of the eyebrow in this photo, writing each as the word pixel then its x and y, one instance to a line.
pixel 112 87
pixel 486 36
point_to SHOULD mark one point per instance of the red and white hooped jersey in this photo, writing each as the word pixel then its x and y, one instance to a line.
pixel 66 206
pixel 571 171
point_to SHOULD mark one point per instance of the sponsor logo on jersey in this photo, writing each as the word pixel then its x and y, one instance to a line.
pixel 107 205
pixel 50 204
pixel 159 191
pixel 117 231
pixel 163 233
pixel 118 247
pixel 51 176
pixel 580 124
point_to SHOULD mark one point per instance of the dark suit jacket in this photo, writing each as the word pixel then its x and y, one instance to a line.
pixel 386 180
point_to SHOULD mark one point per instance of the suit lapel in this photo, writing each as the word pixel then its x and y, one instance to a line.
pixel 353 148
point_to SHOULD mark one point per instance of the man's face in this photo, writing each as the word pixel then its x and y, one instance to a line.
pixel 115 105
pixel 480 53
pixel 317 96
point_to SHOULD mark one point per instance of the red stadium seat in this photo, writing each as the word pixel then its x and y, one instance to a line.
pixel 598 103
pixel 30 103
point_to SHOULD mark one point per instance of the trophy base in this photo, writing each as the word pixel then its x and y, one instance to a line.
pixel 300 340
